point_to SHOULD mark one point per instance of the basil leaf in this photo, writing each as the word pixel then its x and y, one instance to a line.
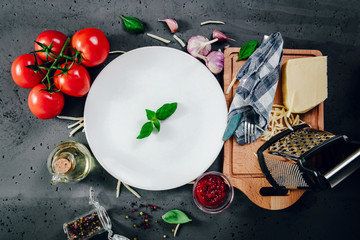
pixel 146 130
pixel 247 49
pixel 156 124
pixel 166 111
pixel 151 115
pixel 133 24
pixel 175 217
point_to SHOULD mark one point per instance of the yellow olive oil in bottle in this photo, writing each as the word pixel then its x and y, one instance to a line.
pixel 68 162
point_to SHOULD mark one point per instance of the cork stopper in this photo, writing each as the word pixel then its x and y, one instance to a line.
pixel 62 165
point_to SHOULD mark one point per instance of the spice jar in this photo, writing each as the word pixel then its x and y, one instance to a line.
pixel 69 161
pixel 88 225
pixel 93 223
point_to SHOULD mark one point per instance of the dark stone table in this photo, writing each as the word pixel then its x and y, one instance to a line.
pixel 31 208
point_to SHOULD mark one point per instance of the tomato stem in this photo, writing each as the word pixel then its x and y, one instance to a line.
pixel 53 65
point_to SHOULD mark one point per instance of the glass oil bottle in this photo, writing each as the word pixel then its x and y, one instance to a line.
pixel 68 162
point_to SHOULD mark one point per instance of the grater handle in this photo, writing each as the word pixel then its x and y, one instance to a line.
pixel 343 169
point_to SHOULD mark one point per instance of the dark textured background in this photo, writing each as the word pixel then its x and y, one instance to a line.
pixel 31 208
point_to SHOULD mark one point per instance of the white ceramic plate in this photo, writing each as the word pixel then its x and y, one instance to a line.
pixel 188 142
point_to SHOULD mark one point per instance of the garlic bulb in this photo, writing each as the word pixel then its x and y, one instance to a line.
pixel 199 46
pixel 215 61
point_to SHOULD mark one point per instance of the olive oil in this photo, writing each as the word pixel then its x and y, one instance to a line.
pixel 69 161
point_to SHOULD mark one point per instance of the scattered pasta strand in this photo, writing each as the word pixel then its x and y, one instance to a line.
pixel 70 118
pixel 76 129
pixel 158 38
pixel 176 229
pixel 181 42
pixel 132 190
pixel 211 22
pixel 118 189
pixel 118 185
pixel 231 85
pixel 78 124
pixel 117 51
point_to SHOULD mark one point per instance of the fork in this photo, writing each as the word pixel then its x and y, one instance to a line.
pixel 249 132
pixel 250 127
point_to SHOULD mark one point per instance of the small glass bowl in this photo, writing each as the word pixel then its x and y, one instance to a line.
pixel 227 200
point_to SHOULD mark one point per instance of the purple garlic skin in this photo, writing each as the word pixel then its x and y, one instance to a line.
pixel 197 46
pixel 215 61
pixel 172 24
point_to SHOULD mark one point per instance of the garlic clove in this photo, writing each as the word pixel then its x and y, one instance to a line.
pixel 221 36
pixel 172 24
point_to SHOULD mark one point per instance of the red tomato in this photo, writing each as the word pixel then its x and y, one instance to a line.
pixel 75 82
pixel 47 37
pixel 93 45
pixel 43 104
pixel 23 76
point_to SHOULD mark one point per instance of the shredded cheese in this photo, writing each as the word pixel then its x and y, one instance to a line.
pixel 158 38
pixel 211 22
pixel 179 40
pixel 291 104
pixel 280 120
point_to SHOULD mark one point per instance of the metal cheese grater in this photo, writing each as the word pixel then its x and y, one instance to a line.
pixel 306 158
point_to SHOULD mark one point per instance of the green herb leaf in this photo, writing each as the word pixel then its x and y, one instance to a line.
pixel 247 49
pixel 133 24
pixel 175 217
pixel 156 124
pixel 146 130
pixel 166 111
pixel 151 115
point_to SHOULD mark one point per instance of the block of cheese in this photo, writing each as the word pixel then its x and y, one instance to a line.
pixel 304 83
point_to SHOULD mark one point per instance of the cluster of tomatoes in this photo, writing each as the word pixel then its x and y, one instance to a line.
pixel 57 66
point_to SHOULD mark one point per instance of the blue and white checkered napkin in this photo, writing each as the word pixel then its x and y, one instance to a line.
pixel 258 80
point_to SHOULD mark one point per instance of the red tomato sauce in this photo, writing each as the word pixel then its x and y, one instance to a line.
pixel 211 191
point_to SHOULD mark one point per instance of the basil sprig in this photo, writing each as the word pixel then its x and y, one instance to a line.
pixel 247 49
pixel 162 113
pixel 133 24
pixel 175 217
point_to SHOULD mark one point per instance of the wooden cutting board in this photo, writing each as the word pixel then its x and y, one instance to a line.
pixel 241 165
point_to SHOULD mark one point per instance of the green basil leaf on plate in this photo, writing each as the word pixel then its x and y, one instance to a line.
pixel 151 115
pixel 146 130
pixel 247 49
pixel 156 124
pixel 166 111
pixel 176 217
